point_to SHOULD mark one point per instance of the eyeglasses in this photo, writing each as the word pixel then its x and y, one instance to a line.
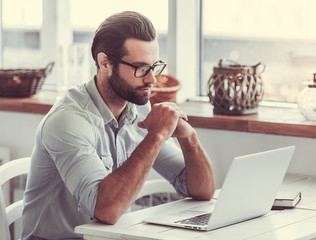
pixel 143 70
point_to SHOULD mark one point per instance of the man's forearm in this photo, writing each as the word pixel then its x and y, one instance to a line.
pixel 119 189
pixel 199 176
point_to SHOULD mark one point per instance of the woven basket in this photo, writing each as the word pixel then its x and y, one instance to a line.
pixel 165 89
pixel 18 83
pixel 236 89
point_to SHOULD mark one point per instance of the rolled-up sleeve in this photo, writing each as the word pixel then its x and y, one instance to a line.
pixel 170 165
pixel 69 138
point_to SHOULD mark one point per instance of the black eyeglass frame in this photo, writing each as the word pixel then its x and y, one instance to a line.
pixel 160 63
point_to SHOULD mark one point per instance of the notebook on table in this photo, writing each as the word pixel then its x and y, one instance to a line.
pixel 286 200
pixel 249 190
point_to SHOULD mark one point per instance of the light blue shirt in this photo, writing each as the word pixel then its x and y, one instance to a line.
pixel 78 143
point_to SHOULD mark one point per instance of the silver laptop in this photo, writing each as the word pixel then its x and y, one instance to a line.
pixel 249 190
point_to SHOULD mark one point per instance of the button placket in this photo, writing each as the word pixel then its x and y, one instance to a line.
pixel 119 149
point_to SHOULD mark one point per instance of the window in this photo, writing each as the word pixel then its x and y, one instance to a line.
pixel 22 21
pixel 281 34
pixel 36 32
pixel 84 22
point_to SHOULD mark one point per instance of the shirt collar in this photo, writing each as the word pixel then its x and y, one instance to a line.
pixel 129 114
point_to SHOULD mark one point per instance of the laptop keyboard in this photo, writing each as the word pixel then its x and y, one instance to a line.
pixel 196 220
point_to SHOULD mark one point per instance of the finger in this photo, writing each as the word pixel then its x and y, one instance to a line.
pixel 184 117
pixel 175 107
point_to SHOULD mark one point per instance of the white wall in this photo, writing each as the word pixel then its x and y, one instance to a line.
pixel 17 131
pixel 223 146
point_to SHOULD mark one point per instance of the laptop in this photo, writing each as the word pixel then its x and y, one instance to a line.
pixel 249 190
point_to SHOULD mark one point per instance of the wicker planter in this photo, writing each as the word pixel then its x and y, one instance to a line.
pixel 165 89
pixel 18 83
pixel 236 89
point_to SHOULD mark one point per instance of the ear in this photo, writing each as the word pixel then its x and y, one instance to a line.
pixel 103 62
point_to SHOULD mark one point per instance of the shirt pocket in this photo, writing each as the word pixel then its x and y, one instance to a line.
pixel 107 162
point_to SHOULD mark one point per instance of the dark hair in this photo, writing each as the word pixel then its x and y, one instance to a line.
pixel 116 29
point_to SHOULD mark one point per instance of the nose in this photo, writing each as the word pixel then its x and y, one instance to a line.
pixel 150 78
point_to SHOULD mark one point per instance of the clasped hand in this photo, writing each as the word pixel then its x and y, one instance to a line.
pixel 167 120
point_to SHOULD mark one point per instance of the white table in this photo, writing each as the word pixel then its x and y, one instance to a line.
pixel 298 223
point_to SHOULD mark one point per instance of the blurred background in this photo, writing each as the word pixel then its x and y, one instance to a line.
pixel 280 34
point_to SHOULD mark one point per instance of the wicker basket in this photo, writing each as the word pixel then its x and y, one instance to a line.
pixel 18 83
pixel 165 89
pixel 236 89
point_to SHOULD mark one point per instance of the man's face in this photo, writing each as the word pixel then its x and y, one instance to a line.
pixel 124 83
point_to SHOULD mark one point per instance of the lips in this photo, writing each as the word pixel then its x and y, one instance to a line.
pixel 145 88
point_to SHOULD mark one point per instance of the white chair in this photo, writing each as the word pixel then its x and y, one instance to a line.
pixel 150 187
pixel 13 212
pixel 155 186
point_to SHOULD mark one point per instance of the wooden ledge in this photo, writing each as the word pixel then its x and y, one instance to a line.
pixel 268 120
pixel 40 103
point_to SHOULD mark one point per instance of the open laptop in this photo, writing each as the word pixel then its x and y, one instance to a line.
pixel 248 191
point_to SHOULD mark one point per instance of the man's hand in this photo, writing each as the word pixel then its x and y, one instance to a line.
pixel 167 120
pixel 183 130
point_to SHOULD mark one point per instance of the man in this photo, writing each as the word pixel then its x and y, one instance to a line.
pixel 96 146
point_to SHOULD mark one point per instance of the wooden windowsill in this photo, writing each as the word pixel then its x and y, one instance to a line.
pixel 268 120
pixel 39 103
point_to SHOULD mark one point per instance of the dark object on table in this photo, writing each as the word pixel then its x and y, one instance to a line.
pixel 19 83
pixel 235 89
pixel 286 200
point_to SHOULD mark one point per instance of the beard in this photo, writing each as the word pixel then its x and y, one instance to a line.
pixel 125 91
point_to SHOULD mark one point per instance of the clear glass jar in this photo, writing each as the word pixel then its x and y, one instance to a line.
pixel 307 100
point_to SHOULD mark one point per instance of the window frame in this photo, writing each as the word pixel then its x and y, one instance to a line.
pixel 184 44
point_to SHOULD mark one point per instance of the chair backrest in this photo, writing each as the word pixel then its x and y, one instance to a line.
pixel 155 186
pixel 13 212
pixel 150 187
